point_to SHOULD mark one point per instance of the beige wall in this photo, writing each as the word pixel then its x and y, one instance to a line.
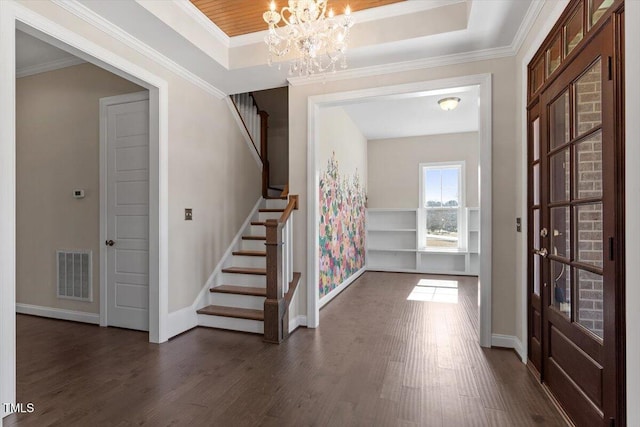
pixel 210 166
pixel 503 155
pixel 340 135
pixel 394 163
pixel 57 146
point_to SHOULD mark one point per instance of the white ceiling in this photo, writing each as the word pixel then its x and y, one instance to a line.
pixel 415 30
pixel 415 115
pixel 32 53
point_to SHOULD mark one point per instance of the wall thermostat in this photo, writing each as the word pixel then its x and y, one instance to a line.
pixel 78 194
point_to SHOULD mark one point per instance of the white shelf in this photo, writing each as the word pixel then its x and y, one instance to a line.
pixel 388 219
pixel 391 250
pixel 393 229
pixel 392 260
pixel 392 245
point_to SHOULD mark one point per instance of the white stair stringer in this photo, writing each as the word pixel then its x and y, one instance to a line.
pixel 208 298
pixel 249 254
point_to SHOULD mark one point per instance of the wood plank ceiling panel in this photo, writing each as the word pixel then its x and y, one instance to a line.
pixel 237 17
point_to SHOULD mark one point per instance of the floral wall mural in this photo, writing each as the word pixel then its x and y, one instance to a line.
pixel 342 226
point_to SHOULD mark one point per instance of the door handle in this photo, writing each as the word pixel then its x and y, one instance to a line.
pixel 109 243
pixel 542 252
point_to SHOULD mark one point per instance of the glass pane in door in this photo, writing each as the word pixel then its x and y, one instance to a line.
pixel 560 232
pixel 597 8
pixel 573 31
pixel 589 229
pixel 561 280
pixel 554 55
pixel 536 138
pixel 560 126
pixel 588 95
pixel 590 301
pixel 560 179
pixel 588 164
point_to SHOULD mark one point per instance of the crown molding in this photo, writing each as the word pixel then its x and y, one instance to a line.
pixel 78 9
pixel 44 67
pixel 200 18
pixel 527 23
pixel 397 67
pixel 366 15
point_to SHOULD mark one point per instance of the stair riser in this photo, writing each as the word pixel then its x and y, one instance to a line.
pixel 239 301
pixel 244 325
pixel 253 245
pixel 263 216
pixel 243 280
pixel 249 261
pixel 257 230
pixel 276 204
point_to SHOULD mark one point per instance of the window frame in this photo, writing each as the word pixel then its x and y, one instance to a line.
pixel 422 210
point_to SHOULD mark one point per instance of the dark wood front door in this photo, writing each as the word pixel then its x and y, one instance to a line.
pixel 575 235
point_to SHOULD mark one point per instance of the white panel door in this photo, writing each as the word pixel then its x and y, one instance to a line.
pixel 127 220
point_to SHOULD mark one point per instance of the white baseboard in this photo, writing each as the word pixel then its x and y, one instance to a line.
pixel 509 341
pixel 331 295
pixel 296 322
pixel 181 321
pixel 58 313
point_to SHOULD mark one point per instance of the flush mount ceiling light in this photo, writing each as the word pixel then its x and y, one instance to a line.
pixel 448 104
pixel 317 38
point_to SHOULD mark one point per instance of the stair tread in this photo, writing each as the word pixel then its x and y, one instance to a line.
pixel 240 290
pixel 239 313
pixel 258 223
pixel 254 237
pixel 250 253
pixel 270 210
pixel 246 270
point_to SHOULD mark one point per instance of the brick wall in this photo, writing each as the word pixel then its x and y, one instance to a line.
pixel 588 218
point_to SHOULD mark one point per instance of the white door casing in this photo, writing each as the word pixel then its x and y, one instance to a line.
pixel 125 213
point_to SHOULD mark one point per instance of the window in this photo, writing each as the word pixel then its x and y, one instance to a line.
pixel 442 200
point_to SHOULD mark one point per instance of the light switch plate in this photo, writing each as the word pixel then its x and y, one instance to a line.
pixel 188 214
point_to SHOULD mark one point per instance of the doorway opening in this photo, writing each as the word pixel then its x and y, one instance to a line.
pixel 404 228
pixel 15 17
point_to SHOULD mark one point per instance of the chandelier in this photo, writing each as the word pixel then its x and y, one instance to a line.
pixel 317 38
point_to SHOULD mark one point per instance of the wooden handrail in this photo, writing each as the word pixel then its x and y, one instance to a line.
pixel 293 204
pixel 276 304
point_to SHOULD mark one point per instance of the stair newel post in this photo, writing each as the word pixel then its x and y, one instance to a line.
pixel 274 305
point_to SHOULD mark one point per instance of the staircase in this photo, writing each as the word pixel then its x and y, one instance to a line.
pixel 237 299
pixel 252 290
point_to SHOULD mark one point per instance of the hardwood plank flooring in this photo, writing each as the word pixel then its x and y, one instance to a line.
pixel 378 359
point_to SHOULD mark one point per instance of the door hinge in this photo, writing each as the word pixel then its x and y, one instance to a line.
pixel 610 68
pixel 611 249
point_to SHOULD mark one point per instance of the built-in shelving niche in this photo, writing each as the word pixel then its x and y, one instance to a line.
pixel 392 244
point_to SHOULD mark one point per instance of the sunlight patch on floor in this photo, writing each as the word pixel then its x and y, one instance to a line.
pixel 430 290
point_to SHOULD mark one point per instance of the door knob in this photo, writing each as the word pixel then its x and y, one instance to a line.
pixel 542 252
pixel 109 243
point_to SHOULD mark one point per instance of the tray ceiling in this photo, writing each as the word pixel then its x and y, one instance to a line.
pixel 238 17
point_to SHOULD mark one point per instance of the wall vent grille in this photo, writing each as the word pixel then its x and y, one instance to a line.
pixel 74 275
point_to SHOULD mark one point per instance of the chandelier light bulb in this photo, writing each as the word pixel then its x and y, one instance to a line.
pixel 311 32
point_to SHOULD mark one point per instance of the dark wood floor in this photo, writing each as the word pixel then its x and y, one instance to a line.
pixel 377 360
